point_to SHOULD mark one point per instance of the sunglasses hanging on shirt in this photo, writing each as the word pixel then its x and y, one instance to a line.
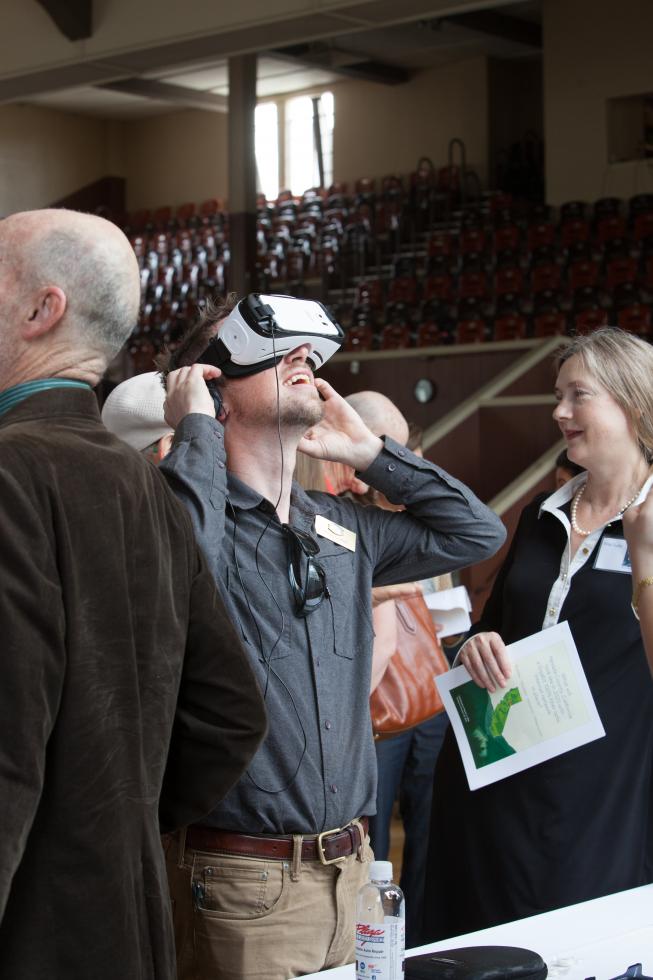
pixel 306 576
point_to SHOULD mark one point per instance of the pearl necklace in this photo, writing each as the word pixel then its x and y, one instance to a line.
pixel 576 501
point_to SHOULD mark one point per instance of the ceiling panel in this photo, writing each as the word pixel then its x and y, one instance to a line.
pixel 91 101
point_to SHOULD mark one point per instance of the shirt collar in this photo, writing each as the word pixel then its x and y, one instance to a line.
pixel 11 397
pixel 242 496
pixel 562 496
pixel 571 488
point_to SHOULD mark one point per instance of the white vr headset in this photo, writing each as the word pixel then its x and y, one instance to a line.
pixel 262 329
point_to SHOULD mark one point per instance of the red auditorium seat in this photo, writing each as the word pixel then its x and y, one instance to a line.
pixel 137 220
pixel 571 210
pixel 285 197
pixel 647 278
pixel 472 240
pixel 542 233
pixel 620 270
pixel 138 244
pixel 185 212
pixel 441 243
pixel 359 339
pixel 549 324
pixel 449 179
pixel 635 318
pixel 403 290
pixel 499 201
pixel 439 286
pixel 574 230
pixel 546 276
pixel 470 331
pixel 643 226
pixel 588 320
pixel 369 293
pixel 606 206
pixel 583 273
pixel 472 284
pixel 507 237
pixel 611 227
pixel 162 216
pixel 392 185
pixel 395 336
pixel 511 327
pixel 428 335
pixel 210 207
pixel 508 280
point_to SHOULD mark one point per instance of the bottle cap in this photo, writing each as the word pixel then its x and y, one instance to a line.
pixel 381 871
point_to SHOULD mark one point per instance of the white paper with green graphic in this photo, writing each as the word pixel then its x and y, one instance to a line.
pixel 546 709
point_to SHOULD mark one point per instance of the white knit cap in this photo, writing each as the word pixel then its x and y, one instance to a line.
pixel 134 410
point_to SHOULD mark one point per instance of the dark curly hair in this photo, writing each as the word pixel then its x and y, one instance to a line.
pixel 195 339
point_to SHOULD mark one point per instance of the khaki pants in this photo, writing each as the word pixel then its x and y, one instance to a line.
pixel 242 918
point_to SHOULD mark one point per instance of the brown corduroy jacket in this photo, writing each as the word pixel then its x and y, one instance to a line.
pixel 121 683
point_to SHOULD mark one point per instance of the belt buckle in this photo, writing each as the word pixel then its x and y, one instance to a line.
pixel 320 846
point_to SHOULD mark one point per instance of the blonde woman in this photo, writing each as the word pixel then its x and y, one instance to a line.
pixel 578 826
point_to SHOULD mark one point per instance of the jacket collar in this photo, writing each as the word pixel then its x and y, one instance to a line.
pixel 52 403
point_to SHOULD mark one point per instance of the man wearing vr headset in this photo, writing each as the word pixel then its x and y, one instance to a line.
pixel 266 886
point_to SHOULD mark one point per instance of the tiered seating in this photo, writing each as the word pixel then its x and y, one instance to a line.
pixel 182 257
pixel 425 269
pixel 503 272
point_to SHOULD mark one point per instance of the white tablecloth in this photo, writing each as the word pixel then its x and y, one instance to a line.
pixel 599 938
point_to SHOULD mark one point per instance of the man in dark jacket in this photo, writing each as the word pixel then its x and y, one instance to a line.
pixel 109 624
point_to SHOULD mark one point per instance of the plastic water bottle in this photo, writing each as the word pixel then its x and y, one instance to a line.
pixel 380 926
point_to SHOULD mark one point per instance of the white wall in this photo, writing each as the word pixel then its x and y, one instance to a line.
pixel 178 157
pixel 593 51
pixel 383 129
pixel 46 155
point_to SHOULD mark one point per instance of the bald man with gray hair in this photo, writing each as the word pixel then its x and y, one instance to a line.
pixel 122 680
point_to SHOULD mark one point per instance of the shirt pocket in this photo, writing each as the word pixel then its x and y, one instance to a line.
pixel 350 607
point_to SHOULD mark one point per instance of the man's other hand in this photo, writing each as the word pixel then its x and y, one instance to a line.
pixel 341 435
pixel 186 393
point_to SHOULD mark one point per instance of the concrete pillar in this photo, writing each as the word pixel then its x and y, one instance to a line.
pixel 242 174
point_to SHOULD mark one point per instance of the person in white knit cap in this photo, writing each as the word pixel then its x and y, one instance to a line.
pixel 134 412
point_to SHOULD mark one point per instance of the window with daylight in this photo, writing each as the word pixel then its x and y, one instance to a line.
pixel 291 126
pixel 301 142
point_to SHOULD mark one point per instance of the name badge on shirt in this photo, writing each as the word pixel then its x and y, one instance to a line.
pixel 334 532
pixel 613 556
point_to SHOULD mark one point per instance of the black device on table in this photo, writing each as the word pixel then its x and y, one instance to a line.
pixel 477 963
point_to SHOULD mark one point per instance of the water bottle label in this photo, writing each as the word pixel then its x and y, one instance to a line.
pixel 380 950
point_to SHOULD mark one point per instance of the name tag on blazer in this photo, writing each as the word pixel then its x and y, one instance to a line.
pixel 613 556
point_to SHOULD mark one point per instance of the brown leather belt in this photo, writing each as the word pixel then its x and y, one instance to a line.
pixel 327 847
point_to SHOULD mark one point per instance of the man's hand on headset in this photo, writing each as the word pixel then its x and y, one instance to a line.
pixel 341 435
pixel 187 394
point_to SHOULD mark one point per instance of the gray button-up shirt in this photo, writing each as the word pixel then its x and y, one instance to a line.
pixel 317 768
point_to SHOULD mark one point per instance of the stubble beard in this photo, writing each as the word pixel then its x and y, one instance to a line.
pixel 300 416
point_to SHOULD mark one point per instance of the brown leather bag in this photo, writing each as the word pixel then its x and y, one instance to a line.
pixel 406 694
